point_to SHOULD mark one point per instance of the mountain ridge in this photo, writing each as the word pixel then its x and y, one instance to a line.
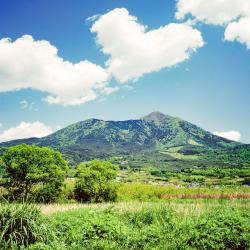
pixel 155 132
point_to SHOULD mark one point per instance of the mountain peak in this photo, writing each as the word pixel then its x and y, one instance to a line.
pixel 154 116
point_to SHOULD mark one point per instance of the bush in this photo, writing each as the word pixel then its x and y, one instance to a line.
pixel 151 216
pixel 22 225
pixel 227 229
pixel 150 226
pixel 110 229
pixel 47 193
pixel 95 181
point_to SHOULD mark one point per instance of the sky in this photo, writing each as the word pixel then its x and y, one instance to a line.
pixel 65 61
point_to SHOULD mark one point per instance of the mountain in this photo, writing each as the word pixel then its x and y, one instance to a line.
pixel 155 134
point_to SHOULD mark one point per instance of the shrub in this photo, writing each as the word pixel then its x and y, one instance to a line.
pixel 149 216
pixel 95 181
pixel 221 229
pixel 22 225
pixel 47 193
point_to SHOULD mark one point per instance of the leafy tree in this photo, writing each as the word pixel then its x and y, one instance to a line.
pixel 27 169
pixel 95 181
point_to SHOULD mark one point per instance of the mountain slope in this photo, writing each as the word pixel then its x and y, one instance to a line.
pixel 155 132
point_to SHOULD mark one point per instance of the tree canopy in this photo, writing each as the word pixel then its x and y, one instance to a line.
pixel 26 166
pixel 95 181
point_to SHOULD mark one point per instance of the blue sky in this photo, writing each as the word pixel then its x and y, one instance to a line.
pixel 211 88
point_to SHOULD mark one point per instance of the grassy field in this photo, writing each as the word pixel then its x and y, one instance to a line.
pixel 137 191
pixel 175 224
pixel 187 207
pixel 146 192
pixel 169 224
pixel 157 215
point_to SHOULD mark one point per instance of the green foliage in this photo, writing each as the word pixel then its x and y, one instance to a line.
pixel 147 192
pixel 27 166
pixel 221 229
pixel 22 225
pixel 153 227
pixel 109 229
pixel 238 155
pixel 178 224
pixel 153 136
pixel 95 181
pixel 47 193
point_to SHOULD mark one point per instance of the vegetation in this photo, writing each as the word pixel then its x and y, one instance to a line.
pixel 22 225
pixel 148 192
pixel 172 225
pixel 156 140
pixel 219 219
pixel 31 171
pixel 95 181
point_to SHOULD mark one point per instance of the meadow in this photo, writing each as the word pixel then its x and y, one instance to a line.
pixel 145 216
pixel 171 224
pixel 157 192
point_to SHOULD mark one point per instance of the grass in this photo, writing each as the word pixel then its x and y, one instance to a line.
pixel 181 206
pixel 22 225
pixel 170 224
pixel 176 224
pixel 137 191
pixel 180 156
pixel 146 192
pixel 159 216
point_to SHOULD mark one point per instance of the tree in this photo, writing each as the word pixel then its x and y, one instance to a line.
pixel 95 181
pixel 30 169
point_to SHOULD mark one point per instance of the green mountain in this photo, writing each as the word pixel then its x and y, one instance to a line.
pixel 153 139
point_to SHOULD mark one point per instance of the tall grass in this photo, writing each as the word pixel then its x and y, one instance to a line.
pixel 147 192
pixel 154 226
pixel 172 224
pixel 22 225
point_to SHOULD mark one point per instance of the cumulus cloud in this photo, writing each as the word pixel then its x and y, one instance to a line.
pixel 1 124
pixel 230 135
pixel 134 51
pixel 217 12
pixel 239 31
pixel 25 130
pixel 234 14
pixel 26 63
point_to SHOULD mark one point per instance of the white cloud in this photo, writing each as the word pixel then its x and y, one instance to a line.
pixel 230 135
pixel 110 90
pixel 234 14
pixel 1 124
pixel 26 63
pixel 216 12
pixel 135 51
pixel 239 31
pixel 25 130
